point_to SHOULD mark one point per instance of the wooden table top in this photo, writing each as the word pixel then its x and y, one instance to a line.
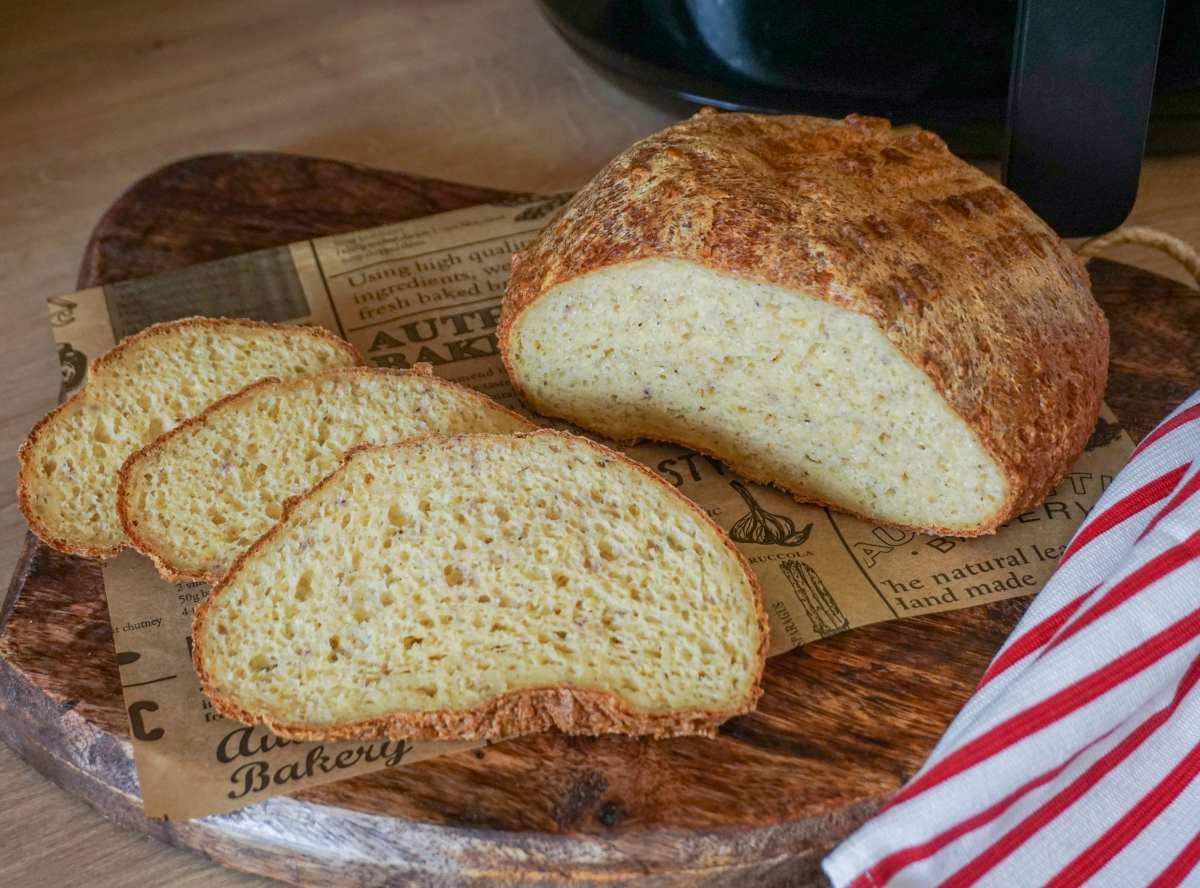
pixel 99 95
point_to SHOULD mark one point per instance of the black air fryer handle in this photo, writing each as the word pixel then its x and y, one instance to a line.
pixel 1078 106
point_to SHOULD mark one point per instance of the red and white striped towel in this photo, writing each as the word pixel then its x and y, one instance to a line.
pixel 1075 762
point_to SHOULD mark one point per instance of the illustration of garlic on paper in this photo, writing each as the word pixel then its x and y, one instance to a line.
pixel 763 527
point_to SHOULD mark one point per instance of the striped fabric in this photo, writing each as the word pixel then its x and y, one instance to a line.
pixel 1075 762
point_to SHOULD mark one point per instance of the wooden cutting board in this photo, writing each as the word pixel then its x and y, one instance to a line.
pixel 842 724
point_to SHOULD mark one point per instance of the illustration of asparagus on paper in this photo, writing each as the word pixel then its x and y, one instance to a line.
pixel 820 608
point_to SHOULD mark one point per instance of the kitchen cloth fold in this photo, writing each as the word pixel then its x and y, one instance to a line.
pixel 1075 762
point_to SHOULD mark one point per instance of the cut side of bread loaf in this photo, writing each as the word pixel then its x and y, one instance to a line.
pixel 198 496
pixel 786 388
pixel 148 383
pixel 843 310
pixel 485 586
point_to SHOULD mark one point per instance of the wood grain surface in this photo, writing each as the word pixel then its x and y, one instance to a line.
pixel 841 724
pixel 97 95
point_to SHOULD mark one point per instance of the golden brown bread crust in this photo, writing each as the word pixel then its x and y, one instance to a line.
pixel 25 450
pixel 153 330
pixel 146 547
pixel 567 709
pixel 953 268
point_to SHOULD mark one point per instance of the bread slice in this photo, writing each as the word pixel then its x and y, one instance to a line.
pixel 67 483
pixel 197 497
pixel 835 307
pixel 484 586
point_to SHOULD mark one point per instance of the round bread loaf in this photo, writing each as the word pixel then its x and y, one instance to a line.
pixel 839 308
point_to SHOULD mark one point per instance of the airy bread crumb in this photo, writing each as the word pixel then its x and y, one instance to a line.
pixel 788 389
pixel 484 586
pixel 198 496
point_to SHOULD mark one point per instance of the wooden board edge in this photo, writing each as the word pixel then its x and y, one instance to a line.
pixel 27 561
pixel 373 849
pixel 66 748
pixel 377 849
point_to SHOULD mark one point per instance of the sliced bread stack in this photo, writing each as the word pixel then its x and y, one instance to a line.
pixel 197 497
pixel 467 583
pixel 484 586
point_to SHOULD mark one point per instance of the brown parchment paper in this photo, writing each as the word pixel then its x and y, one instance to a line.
pixel 191 761
pixel 429 290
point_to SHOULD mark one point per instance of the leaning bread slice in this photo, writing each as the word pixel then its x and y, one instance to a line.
pixel 198 496
pixel 841 309
pixel 484 586
pixel 67 485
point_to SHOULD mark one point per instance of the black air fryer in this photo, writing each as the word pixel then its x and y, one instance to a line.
pixel 1062 90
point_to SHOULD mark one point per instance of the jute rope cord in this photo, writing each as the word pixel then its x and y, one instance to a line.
pixel 1140 235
